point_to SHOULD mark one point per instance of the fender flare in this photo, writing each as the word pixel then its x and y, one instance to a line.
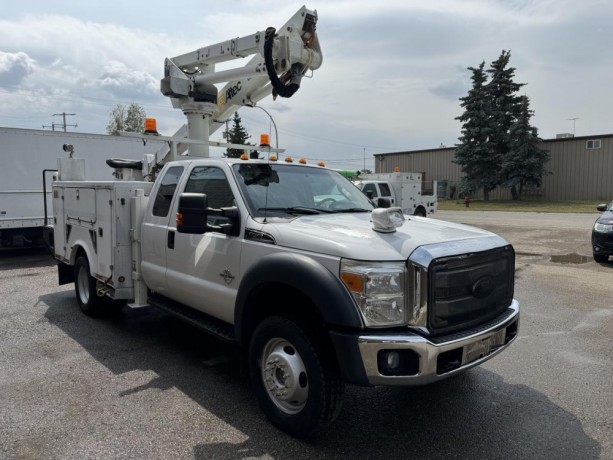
pixel 317 283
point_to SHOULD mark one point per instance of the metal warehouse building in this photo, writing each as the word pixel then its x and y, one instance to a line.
pixel 580 168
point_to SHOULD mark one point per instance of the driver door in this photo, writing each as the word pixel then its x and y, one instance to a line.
pixel 203 271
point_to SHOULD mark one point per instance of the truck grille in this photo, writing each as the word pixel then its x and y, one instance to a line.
pixel 467 290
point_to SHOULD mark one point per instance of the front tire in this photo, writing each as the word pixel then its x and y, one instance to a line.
pixel 421 212
pixel 85 289
pixel 601 258
pixel 297 383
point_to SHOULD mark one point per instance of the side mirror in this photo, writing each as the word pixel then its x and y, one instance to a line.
pixel 601 207
pixel 384 203
pixel 192 214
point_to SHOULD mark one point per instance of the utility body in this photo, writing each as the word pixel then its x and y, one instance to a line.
pixel 289 261
pixel 403 189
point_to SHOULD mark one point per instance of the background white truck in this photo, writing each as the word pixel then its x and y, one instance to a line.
pixel 289 261
pixel 27 152
pixel 403 189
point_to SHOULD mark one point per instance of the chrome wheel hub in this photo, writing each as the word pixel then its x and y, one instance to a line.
pixel 284 376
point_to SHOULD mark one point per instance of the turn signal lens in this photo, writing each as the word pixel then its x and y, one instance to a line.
pixel 353 281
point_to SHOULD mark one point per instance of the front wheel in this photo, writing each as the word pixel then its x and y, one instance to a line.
pixel 297 385
pixel 421 212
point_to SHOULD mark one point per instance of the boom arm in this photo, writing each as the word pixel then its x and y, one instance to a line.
pixel 189 79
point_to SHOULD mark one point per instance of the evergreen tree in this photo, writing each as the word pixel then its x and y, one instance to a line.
pixel 475 153
pixel 130 118
pixel 524 164
pixel 504 109
pixel 237 135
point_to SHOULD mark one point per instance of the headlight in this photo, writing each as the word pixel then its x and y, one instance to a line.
pixel 603 228
pixel 378 288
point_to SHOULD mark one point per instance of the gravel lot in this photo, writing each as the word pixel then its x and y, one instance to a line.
pixel 144 385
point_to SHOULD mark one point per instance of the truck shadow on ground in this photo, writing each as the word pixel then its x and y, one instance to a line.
pixel 476 415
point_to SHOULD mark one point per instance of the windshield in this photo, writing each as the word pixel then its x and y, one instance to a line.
pixel 278 189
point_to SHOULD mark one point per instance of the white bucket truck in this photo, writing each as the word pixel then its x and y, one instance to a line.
pixel 402 189
pixel 289 261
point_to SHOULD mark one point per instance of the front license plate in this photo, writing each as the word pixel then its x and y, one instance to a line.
pixel 482 348
pixel 476 350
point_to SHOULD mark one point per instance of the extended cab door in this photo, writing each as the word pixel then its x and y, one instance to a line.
pixel 203 271
pixel 156 236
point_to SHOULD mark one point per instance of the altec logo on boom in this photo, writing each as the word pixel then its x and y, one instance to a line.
pixel 232 91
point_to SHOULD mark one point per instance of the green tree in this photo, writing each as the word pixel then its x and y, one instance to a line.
pixel 524 164
pixel 504 109
pixel 475 153
pixel 130 118
pixel 237 135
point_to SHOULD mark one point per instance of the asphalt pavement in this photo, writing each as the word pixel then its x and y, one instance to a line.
pixel 144 385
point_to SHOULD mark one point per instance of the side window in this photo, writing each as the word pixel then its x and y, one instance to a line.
pixel 370 188
pixel 385 189
pixel 213 182
pixel 161 205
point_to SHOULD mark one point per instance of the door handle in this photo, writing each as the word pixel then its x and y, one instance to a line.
pixel 171 239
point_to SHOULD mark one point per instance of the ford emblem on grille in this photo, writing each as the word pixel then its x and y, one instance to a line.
pixel 483 286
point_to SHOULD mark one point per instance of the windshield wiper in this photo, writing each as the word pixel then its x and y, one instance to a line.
pixel 352 210
pixel 295 210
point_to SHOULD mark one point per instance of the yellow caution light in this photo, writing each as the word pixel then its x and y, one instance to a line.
pixel 353 281
pixel 322 164
pixel 273 158
pixel 264 140
pixel 396 169
pixel 302 161
pixel 151 126
pixel 289 160
pixel 244 156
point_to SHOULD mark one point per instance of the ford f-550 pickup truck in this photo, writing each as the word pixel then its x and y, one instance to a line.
pixel 292 262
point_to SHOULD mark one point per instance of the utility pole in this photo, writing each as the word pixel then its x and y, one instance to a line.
pixel 364 149
pixel 63 124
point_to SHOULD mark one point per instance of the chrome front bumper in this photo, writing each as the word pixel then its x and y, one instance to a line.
pixel 428 351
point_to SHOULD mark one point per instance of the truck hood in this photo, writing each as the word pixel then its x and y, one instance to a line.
pixel 352 235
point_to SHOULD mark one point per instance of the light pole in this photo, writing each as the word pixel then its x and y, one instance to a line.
pixel 273 123
pixel 573 120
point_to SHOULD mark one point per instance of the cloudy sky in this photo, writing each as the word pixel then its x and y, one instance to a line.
pixel 391 77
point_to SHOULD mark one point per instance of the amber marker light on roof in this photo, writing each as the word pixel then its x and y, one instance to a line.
pixel 322 164
pixel 396 169
pixel 289 160
pixel 244 156
pixel 273 158
pixel 151 126
pixel 302 161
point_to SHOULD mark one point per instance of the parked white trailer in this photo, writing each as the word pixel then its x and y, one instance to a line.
pixel 26 153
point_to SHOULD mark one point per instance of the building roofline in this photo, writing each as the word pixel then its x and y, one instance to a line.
pixel 545 141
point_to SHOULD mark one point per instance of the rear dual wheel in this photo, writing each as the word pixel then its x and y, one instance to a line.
pixel 88 299
pixel 297 382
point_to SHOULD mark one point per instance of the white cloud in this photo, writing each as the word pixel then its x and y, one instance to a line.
pixel 14 67
pixel 390 80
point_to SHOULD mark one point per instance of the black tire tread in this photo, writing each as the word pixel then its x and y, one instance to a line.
pixel 332 385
